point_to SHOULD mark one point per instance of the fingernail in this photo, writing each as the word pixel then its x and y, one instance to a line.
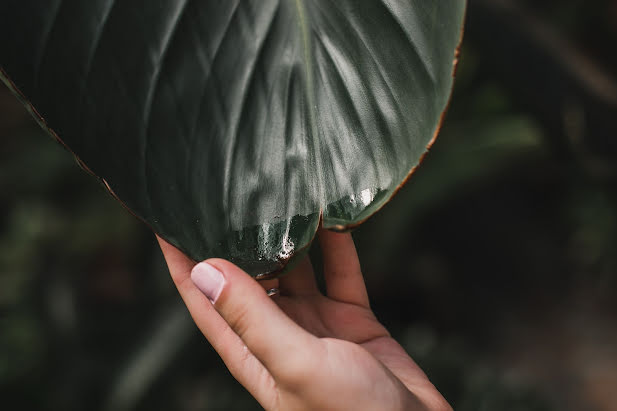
pixel 209 280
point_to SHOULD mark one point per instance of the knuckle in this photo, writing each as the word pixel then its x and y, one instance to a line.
pixel 296 371
pixel 238 318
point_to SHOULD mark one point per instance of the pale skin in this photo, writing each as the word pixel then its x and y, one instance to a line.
pixel 302 350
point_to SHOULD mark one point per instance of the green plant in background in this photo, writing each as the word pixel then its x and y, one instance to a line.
pixel 234 129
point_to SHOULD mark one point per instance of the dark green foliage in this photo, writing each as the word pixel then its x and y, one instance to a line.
pixel 232 128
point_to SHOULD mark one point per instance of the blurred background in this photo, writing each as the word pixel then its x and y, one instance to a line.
pixel 495 266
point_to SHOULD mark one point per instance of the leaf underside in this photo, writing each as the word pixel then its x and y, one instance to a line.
pixel 233 128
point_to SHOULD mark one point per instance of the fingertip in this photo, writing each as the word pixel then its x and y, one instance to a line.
pixel 228 268
pixel 179 264
pixel 238 287
pixel 209 279
pixel 330 235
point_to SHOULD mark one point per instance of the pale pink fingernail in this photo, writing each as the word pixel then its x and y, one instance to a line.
pixel 209 280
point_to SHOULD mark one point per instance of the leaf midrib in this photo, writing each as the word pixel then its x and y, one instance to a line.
pixel 310 98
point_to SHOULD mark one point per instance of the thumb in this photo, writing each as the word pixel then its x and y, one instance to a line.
pixel 266 330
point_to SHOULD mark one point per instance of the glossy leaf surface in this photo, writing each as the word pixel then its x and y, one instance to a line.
pixel 233 127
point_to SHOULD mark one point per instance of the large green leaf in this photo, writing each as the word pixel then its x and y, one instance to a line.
pixel 233 127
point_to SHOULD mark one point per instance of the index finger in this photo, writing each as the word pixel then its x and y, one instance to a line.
pixel 232 350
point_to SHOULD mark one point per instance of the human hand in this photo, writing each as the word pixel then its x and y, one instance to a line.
pixel 302 350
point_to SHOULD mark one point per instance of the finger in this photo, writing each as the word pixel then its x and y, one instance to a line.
pixel 240 362
pixel 180 266
pixel 299 281
pixel 342 273
pixel 279 343
pixel 269 284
